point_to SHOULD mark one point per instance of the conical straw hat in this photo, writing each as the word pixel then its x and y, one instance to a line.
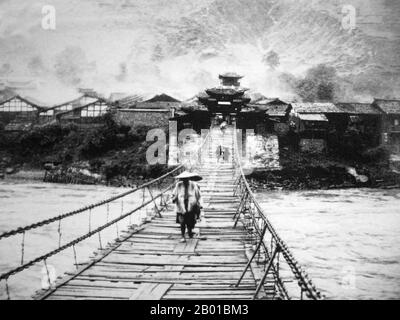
pixel 189 175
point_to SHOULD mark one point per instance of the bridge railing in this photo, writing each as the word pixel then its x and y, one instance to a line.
pixel 151 193
pixel 290 280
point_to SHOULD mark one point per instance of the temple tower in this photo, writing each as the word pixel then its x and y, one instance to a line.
pixel 226 99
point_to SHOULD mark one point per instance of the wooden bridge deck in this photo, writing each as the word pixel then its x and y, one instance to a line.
pixel 150 262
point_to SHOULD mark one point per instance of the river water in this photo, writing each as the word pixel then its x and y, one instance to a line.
pixel 347 240
pixel 24 203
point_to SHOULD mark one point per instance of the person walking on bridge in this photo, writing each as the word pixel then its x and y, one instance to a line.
pixel 187 198
pixel 223 126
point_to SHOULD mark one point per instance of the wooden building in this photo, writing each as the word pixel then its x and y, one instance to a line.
pixel 126 102
pixel 390 123
pixel 162 101
pixel 275 113
pixel 136 111
pixel 18 113
pixel 148 117
pixel 317 118
pixel 162 98
pixel 89 114
pixel 365 118
pixel 228 99
pixel 191 114
pixel 313 122
pixel 50 113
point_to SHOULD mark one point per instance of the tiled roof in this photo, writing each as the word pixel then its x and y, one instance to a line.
pixel 313 117
pixel 162 98
pixel 79 102
pixel 273 110
pixel 80 107
pixel 388 106
pixel 230 75
pixel 129 102
pixel 315 107
pixel 36 102
pixel 277 110
pixel 271 101
pixel 26 100
pixel 358 108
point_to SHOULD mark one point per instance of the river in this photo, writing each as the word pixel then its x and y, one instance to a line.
pixel 347 240
pixel 24 203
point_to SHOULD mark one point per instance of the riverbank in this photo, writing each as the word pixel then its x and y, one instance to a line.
pixel 116 170
pixel 26 175
pixel 301 171
pixel 113 155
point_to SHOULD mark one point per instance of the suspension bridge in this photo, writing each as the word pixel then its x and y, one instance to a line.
pixel 236 253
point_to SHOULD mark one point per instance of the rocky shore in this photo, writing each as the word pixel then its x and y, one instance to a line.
pixel 28 175
pixel 310 172
pixel 304 178
pixel 301 180
pixel 114 174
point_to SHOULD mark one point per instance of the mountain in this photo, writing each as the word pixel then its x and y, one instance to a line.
pixel 179 47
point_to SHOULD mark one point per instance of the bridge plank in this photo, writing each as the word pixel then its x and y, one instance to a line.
pixel 117 279
pixel 152 264
pixel 150 291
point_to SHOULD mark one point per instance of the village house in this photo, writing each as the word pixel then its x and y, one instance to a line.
pixel 276 113
pixel 126 102
pixel 19 113
pixel 118 96
pixel 50 113
pixel 364 118
pixel 191 115
pixel 313 122
pixel 390 123
pixel 87 115
pixel 154 112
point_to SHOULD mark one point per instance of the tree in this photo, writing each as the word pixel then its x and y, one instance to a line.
pixel 319 84
pixel 322 73
pixel 326 91
pixel 306 90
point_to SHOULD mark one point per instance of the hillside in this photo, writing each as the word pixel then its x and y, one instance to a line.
pixel 178 47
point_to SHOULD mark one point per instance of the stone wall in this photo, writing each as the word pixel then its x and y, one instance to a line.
pixel 141 117
pixel 262 152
